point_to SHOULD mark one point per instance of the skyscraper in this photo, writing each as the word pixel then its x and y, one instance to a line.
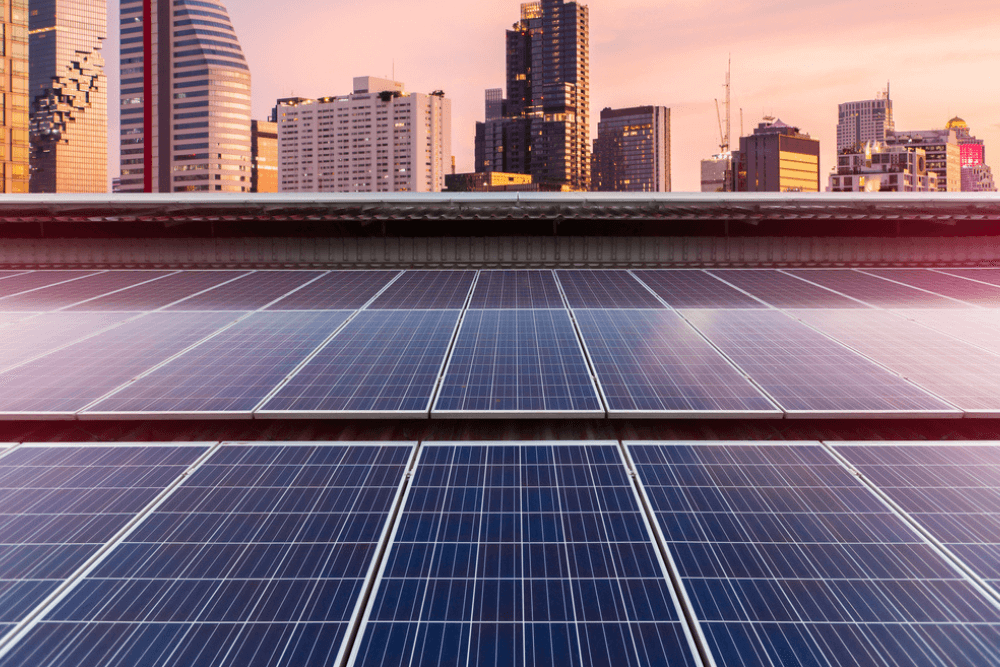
pixel 976 174
pixel 543 127
pixel 185 99
pixel 943 154
pixel 632 150
pixel 14 96
pixel 776 158
pixel 863 121
pixel 69 96
pixel 264 147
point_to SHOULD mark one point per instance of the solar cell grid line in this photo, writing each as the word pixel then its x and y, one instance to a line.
pixel 781 290
pixel 258 559
pixel 227 375
pixel 55 297
pixel 59 384
pixel 808 374
pixel 510 554
pixel 968 291
pixel 962 374
pixel 651 363
pixel 976 326
pixel 516 289
pixel 788 559
pixel 990 276
pixel 952 490
pixel 251 292
pixel 609 288
pixel 382 363
pixel 158 294
pixel 61 504
pixel 873 290
pixel 46 332
pixel 694 288
pixel 34 280
pixel 517 362
pixel 337 290
pixel 427 290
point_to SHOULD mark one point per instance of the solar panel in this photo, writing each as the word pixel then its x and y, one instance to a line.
pixel 605 289
pixel 973 325
pixel 874 290
pixel 59 504
pixel 258 559
pixel 963 375
pixel 784 291
pixel 991 276
pixel 787 559
pixel 808 374
pixel 159 293
pixel 427 290
pixel 47 331
pixel 54 297
pixel 228 374
pixel 37 279
pixel 693 288
pixel 66 381
pixel 951 489
pixel 517 361
pixel 650 363
pixel 522 554
pixel 383 362
pixel 965 290
pixel 253 291
pixel 337 290
pixel 516 289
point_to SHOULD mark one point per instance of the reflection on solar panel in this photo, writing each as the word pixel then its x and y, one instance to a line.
pixel 258 559
pixel 68 380
pixel 382 361
pixel 230 373
pixel 427 289
pixel 517 361
pixel 337 290
pixel 60 504
pixel 522 554
pixel 651 363
pixel 687 288
pixel 968 291
pixel 873 290
pixel 991 276
pixel 784 291
pixel 951 489
pixel 250 292
pixel 789 560
pixel 973 325
pixel 516 289
pixel 66 294
pixel 963 375
pixel 159 293
pixel 808 374
pixel 605 289
pixel 40 334
pixel 37 279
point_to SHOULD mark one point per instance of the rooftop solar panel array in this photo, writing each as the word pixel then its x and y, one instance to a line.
pixel 605 289
pixel 516 289
pixel 694 288
pixel 427 290
pixel 254 290
pixel 991 276
pixel 61 295
pixel 782 290
pixel 969 291
pixel 33 280
pixel 874 290
pixel 159 293
pixel 978 326
pixel 45 332
pixel 337 290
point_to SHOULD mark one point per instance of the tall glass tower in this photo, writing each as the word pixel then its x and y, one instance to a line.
pixel 14 148
pixel 69 96
pixel 185 99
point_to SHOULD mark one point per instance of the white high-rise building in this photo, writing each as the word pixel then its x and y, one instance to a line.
pixel 864 121
pixel 377 139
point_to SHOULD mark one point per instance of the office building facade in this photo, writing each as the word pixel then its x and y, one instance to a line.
pixel 776 158
pixel 264 152
pixel 863 121
pixel 185 99
pixel 942 150
pixel 976 174
pixel 69 96
pixel 632 150
pixel 716 173
pixel 377 139
pixel 14 110
pixel 881 168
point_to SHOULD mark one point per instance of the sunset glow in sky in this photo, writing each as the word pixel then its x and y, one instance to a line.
pixel 793 60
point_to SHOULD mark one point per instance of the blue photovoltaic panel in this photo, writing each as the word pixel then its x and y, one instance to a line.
pixel 60 504
pixel 337 290
pixel 605 289
pixel 252 291
pixel 964 375
pixel 516 289
pixel 951 489
pixel 36 279
pixel 784 291
pixel 517 361
pixel 968 291
pixel 874 290
pixel 231 372
pixel 427 290
pixel 808 374
pixel 37 335
pixel 257 560
pixel 159 293
pixel 789 561
pixel 54 297
pixel 693 288
pixel 522 555
pixel 68 380
pixel 978 326
pixel 651 361
pixel 382 361
pixel 991 276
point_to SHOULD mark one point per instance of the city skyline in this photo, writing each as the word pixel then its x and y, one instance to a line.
pixel 938 63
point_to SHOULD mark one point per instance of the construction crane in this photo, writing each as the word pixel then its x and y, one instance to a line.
pixel 724 136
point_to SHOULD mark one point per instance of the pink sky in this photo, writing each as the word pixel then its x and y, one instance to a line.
pixel 793 60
